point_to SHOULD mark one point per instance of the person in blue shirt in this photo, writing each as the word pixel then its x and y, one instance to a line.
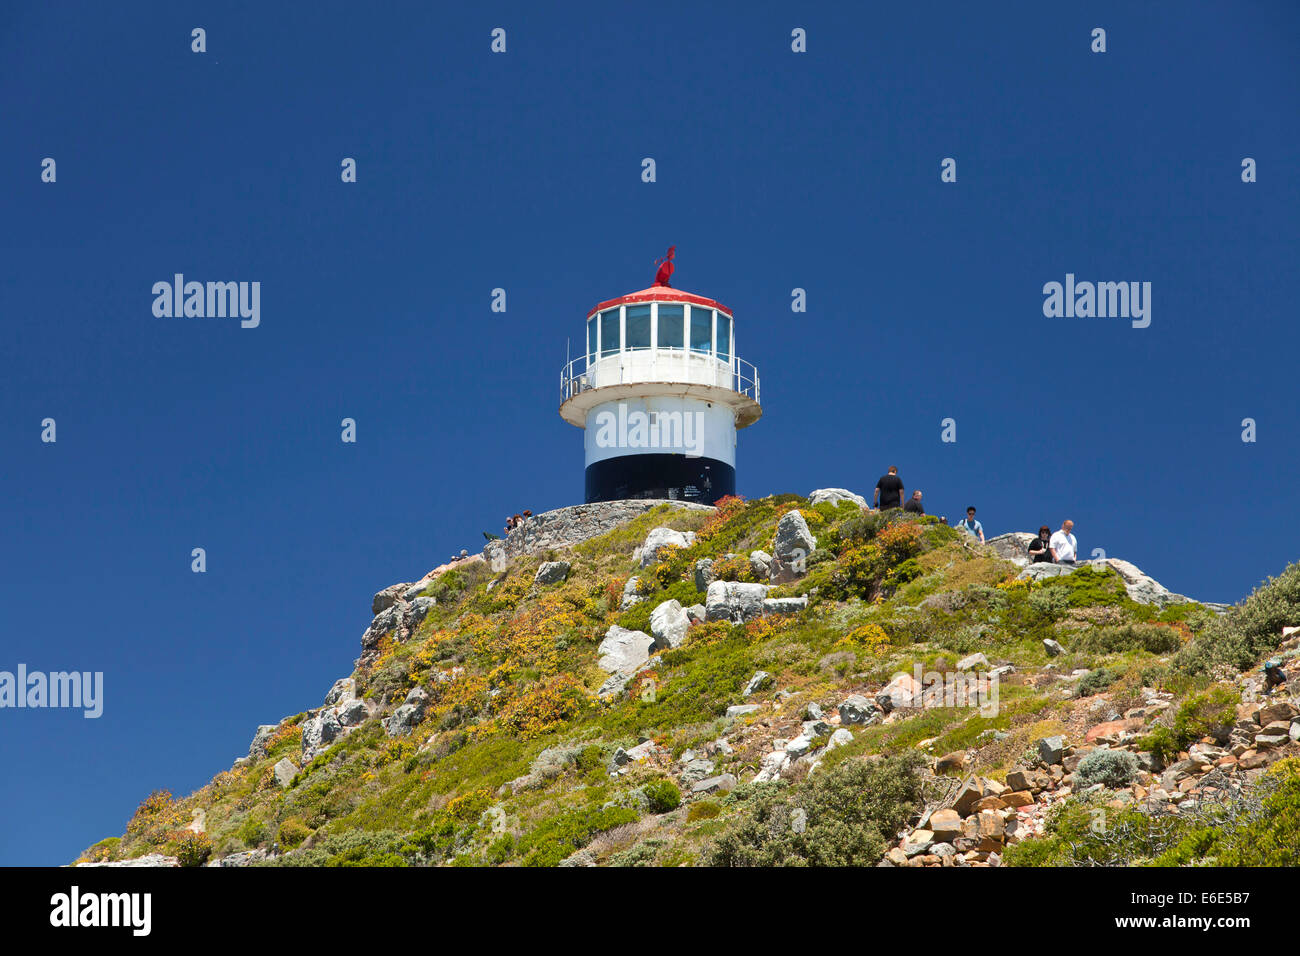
pixel 971 526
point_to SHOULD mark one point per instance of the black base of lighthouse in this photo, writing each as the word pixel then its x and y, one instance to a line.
pixel 704 480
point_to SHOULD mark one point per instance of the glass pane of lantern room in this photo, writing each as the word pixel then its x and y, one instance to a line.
pixel 609 344
pixel 724 337
pixel 672 326
pixel 591 338
pixel 638 327
pixel 701 329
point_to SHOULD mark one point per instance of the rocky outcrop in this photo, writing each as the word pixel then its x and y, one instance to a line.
pixel 407 716
pixel 1013 547
pixel 734 601
pixel 623 651
pixel 669 624
pixel 661 539
pixel 551 572
pixel 568 526
pixel 794 542
pixel 836 495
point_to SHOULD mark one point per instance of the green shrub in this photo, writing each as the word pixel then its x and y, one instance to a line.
pixel 1112 768
pixel 193 849
pixel 1210 714
pixel 1249 631
pixel 662 795
pixel 292 832
pixel 1151 638
pixel 1161 742
pixel 850 812
pixel 565 834
pixel 1094 682
pixel 703 810
pixel 252 832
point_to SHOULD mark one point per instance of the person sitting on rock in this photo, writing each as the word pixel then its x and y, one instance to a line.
pixel 1064 548
pixel 1274 676
pixel 914 504
pixel 1040 550
pixel 971 526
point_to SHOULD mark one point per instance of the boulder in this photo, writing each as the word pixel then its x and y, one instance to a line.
pixel 623 650
pixel 1114 728
pixel 345 688
pixel 695 613
pixel 284 772
pixel 742 710
pixel 630 596
pixel 319 732
pixel 1053 648
pixel 613 686
pixel 704 575
pixel 973 662
pixel 785 605
pixel 902 691
pixel 660 538
pixel 408 716
pixel 761 563
pixel 387 597
pixel 551 572
pixel 856 709
pixel 945 824
pixel 794 542
pixel 723 783
pixel 733 601
pixel 1013 546
pixel 353 712
pixel 1277 710
pixel 835 496
pixel 1029 780
pixel 669 624
pixel 1045 569
pixel 1051 750
pixel 760 681
pixel 260 739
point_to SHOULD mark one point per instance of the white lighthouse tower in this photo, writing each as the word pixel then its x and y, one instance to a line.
pixel 660 393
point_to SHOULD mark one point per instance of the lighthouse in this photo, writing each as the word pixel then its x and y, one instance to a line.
pixel 660 393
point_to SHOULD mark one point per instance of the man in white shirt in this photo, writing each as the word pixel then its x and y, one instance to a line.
pixel 1064 547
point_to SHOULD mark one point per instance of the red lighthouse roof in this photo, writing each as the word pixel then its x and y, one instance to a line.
pixel 660 293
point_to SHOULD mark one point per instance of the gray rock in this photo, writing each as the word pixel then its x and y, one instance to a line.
pixel 794 542
pixel 1037 572
pixel 742 710
pixel 669 624
pixel 733 601
pixel 551 572
pixel 660 538
pixel 387 597
pixel 613 686
pixel 264 733
pixel 1051 750
pixel 284 772
pixel 408 716
pixel 624 650
pixel 1053 648
pixel 814 710
pixel 353 712
pixel 243 858
pixel 722 783
pixel 761 563
pixel 695 613
pixel 973 662
pixel 1012 547
pixel 785 605
pixel 319 732
pixel 704 575
pixel 630 597
pixel 857 709
pixel 760 681
pixel 345 688
pixel 835 496
pixel 697 770
pixel 1005 670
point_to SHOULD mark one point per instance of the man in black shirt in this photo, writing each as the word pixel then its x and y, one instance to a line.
pixel 889 490
pixel 914 504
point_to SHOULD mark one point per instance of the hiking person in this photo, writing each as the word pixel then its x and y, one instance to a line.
pixel 914 504
pixel 971 526
pixel 1274 676
pixel 1064 548
pixel 1040 550
pixel 889 491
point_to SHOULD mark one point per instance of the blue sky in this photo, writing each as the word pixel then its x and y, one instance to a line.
pixel 775 170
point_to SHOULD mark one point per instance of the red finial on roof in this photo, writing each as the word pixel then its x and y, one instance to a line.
pixel 665 268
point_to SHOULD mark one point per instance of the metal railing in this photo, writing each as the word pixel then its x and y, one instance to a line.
pixel 685 366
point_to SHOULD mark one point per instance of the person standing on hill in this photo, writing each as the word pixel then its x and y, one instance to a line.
pixel 971 526
pixel 914 504
pixel 889 490
pixel 1064 548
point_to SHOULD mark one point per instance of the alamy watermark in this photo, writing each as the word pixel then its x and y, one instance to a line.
pixel 674 432
pixel 82 690
pixel 1102 300
pixel 212 300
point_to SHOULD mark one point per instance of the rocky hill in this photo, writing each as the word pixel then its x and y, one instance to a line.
pixel 783 681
